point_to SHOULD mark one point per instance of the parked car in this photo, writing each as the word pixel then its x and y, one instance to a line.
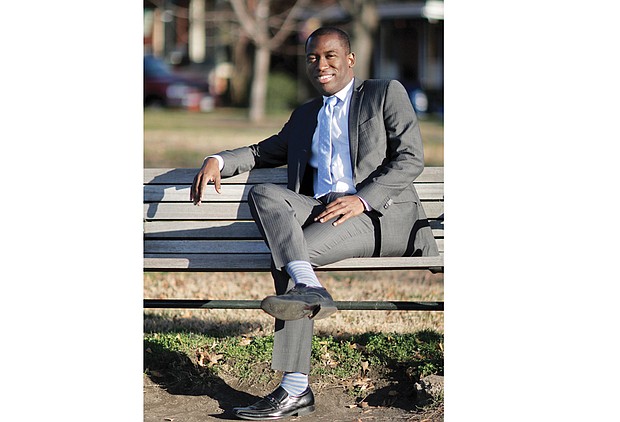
pixel 164 87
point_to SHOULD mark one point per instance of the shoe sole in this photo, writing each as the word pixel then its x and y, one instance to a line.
pixel 299 412
pixel 290 310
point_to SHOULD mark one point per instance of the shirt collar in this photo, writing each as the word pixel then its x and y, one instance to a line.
pixel 344 92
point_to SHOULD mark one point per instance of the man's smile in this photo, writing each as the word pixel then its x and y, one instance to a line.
pixel 325 78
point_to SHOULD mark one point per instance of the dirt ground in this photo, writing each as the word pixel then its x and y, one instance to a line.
pixel 392 397
pixel 332 404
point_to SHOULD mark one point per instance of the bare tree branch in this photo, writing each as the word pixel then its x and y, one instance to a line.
pixel 287 26
pixel 247 22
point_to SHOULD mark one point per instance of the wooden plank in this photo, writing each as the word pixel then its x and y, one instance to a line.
pixel 227 211
pixel 188 211
pixel 185 176
pixel 205 246
pixel 222 229
pixel 231 193
pixel 214 246
pixel 261 262
pixel 176 176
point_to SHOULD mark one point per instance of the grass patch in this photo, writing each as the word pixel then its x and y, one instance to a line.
pixel 190 362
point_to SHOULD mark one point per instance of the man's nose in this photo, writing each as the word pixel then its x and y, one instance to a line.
pixel 323 63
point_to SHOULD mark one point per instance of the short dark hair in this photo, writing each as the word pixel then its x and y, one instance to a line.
pixel 332 30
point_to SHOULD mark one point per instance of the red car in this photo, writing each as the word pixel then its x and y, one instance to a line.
pixel 165 88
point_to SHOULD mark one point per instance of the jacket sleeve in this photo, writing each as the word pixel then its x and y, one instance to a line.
pixel 271 152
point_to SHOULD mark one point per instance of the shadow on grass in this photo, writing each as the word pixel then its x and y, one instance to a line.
pixel 154 323
pixel 175 373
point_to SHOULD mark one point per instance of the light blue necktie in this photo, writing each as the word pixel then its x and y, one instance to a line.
pixel 325 146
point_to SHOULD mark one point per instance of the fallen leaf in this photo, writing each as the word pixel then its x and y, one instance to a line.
pixel 361 381
pixel 245 341
pixel 213 359
pixel 363 404
pixel 365 365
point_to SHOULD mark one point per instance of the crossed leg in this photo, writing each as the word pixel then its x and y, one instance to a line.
pixel 286 222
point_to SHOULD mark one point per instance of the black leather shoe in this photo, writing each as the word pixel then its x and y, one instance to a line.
pixel 299 302
pixel 278 405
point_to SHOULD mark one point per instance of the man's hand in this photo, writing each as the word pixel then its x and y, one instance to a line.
pixel 209 172
pixel 346 207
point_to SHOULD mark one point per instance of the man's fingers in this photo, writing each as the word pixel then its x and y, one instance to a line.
pixel 200 181
pixel 344 217
pixel 343 208
pixel 196 190
pixel 217 182
pixel 333 209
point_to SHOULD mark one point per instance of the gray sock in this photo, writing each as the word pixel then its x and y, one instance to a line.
pixel 302 272
pixel 294 383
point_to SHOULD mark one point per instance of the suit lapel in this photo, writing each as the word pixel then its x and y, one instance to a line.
pixel 354 115
pixel 305 143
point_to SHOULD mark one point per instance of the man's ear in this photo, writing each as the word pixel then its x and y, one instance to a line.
pixel 351 59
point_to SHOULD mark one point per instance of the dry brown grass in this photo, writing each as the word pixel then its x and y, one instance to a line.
pixel 183 139
pixel 379 285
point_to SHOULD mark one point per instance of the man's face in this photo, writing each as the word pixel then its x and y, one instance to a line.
pixel 328 65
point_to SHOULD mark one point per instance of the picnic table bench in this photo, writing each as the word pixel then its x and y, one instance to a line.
pixel 221 236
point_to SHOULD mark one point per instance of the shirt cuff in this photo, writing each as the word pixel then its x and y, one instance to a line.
pixel 366 206
pixel 219 159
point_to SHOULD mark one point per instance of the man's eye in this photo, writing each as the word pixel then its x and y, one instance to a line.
pixel 311 59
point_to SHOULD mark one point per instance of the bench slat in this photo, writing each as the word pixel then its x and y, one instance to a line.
pixel 185 176
pixel 261 262
pixel 179 176
pixel 214 246
pixel 204 246
pixel 232 193
pixel 224 211
pixel 222 229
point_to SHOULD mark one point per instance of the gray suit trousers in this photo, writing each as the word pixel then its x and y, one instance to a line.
pixel 285 220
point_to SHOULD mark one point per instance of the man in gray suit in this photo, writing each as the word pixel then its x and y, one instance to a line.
pixel 352 157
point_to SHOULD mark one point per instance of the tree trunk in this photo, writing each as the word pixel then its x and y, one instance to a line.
pixel 365 24
pixel 258 97
pixel 240 78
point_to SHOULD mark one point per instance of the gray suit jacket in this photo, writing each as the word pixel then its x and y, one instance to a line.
pixel 386 154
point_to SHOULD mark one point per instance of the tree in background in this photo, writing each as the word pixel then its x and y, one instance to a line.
pixel 364 24
pixel 255 19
